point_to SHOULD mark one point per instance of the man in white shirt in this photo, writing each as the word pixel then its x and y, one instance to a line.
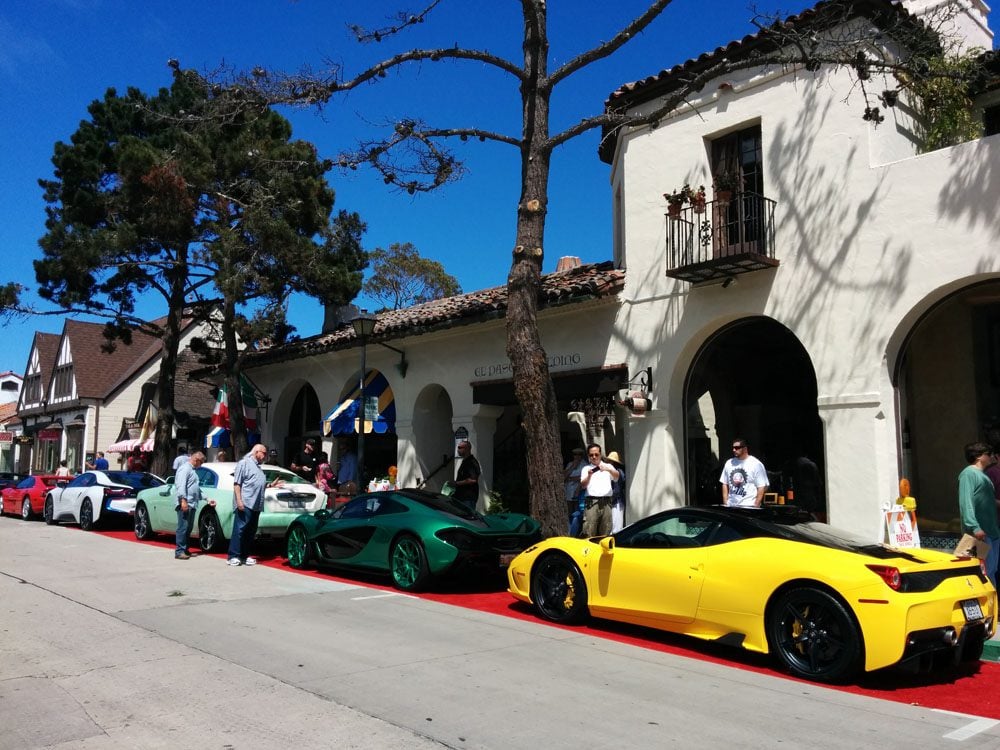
pixel 595 480
pixel 744 478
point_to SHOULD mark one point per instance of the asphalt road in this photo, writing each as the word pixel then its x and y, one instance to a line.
pixel 106 643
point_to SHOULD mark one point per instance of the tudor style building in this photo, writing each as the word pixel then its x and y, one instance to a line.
pixel 78 399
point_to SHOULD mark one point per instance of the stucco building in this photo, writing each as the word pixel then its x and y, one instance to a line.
pixel 840 310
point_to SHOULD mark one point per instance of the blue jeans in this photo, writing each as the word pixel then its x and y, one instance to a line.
pixel 992 559
pixel 575 518
pixel 244 530
pixel 185 520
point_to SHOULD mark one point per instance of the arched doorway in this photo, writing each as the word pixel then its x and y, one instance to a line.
pixel 376 416
pixel 754 379
pixel 433 438
pixel 947 380
pixel 303 422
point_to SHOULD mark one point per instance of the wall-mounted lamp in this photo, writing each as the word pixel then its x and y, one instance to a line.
pixel 635 394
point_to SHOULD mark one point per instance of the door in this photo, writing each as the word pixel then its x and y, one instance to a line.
pixel 656 571
pixel 738 225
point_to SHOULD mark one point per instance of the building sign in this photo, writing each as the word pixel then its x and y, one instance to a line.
pixel 371 408
pixel 504 369
pixel 6 438
pixel 52 436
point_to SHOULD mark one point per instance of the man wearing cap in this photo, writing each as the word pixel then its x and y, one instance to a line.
pixel 571 483
pixel 306 462
pixel 595 479
pixel 617 494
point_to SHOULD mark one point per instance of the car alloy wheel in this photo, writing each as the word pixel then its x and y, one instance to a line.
pixel 814 635
pixel 48 513
pixel 297 548
pixel 87 516
pixel 408 563
pixel 558 589
pixel 26 509
pixel 143 527
pixel 210 536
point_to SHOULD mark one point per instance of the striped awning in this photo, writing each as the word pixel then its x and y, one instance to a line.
pixel 124 446
pixel 379 413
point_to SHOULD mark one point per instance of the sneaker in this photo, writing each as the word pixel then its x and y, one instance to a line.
pixel 250 561
pixel 234 561
pixel 182 556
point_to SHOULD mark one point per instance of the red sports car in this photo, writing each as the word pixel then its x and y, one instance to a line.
pixel 27 497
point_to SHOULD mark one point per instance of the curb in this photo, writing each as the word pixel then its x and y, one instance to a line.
pixel 991 651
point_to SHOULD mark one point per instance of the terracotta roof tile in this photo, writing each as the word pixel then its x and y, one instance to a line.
pixel 7 411
pixel 591 281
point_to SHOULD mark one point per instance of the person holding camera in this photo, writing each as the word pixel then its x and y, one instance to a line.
pixel 595 480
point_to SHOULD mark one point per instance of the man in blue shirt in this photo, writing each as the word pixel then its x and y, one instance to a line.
pixel 249 484
pixel 187 493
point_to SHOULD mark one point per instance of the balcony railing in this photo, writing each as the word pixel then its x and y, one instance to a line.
pixel 721 239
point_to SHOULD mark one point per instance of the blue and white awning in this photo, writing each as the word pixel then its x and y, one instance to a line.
pixel 379 413
pixel 218 437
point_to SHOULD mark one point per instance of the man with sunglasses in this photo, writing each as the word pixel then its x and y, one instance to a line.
pixel 744 478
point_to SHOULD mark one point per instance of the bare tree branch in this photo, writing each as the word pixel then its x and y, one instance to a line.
pixel 612 45
pixel 405 20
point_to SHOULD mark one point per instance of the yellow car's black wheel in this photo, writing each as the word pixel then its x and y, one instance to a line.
pixel 558 589
pixel 814 635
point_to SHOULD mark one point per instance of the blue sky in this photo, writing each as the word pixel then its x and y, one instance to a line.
pixel 56 56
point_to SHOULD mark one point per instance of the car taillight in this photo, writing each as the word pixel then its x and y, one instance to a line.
pixel 458 538
pixel 888 574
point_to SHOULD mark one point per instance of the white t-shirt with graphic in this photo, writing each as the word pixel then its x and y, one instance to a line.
pixel 743 476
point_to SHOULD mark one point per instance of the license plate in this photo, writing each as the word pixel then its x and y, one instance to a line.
pixel 295 503
pixel 506 558
pixel 972 610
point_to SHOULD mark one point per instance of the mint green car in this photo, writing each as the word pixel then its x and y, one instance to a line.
pixel 155 510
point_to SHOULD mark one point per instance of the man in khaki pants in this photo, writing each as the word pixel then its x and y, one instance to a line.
pixel 595 480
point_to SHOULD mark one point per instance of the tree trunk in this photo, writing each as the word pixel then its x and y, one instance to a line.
pixel 529 363
pixel 163 446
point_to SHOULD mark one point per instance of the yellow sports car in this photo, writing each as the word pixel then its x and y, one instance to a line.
pixel 771 580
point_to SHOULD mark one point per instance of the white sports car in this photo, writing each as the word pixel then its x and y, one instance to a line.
pixel 95 497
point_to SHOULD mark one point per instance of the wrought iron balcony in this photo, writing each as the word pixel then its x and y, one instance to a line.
pixel 721 239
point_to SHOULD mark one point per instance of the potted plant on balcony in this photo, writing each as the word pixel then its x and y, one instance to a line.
pixel 725 183
pixel 675 201
pixel 696 198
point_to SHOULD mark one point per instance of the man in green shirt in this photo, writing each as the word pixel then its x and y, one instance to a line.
pixel 977 502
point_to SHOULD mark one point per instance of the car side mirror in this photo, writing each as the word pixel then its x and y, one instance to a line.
pixel 321 514
pixel 608 545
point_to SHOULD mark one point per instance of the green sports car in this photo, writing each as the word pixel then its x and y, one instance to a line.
pixel 410 534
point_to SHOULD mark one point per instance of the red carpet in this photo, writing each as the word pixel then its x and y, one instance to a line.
pixel 971 689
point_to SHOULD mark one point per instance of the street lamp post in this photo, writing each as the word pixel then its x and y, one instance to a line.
pixel 363 325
